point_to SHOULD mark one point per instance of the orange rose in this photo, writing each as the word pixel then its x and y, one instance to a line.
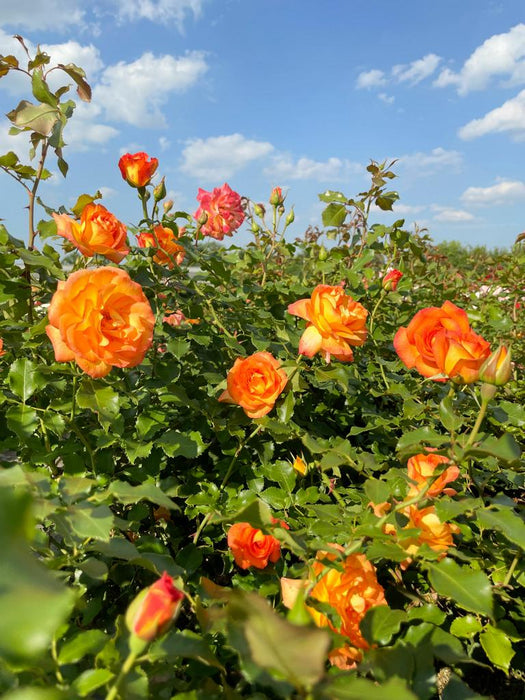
pixel 440 341
pixel 100 319
pixel 391 280
pixel 335 323
pixel 169 251
pixel 2 351
pixel 137 169
pixel 434 533
pixel 254 383
pixel 152 612
pixel 351 593
pixel 99 231
pixel 421 469
pixel 251 547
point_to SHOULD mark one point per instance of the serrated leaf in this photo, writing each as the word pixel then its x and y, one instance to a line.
pixel 104 401
pixel 504 448
pixel 22 420
pixel 39 118
pixel 126 493
pixel 176 444
pixel 497 647
pixel 470 589
pixel 332 196
pixel 24 378
pixel 451 421
pixel 87 521
pixel 334 214
pixel 505 521
pixel 467 626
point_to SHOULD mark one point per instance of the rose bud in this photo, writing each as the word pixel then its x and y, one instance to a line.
pixel 159 192
pixel 497 368
pixel 259 210
pixel 276 197
pixel 391 279
pixel 138 168
pixel 154 609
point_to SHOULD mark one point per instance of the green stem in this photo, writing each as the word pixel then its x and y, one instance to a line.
pixel 142 195
pixel 511 570
pixel 481 415
pixel 126 668
pixel 372 315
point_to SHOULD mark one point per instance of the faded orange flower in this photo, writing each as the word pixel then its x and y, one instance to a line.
pixel 434 533
pixel 137 168
pixel 152 612
pixel 251 547
pixel 100 319
pixel 336 323
pixel 177 318
pixel 254 383
pixel 350 592
pixel 98 232
pixel 169 252
pixel 441 341
pixel 421 469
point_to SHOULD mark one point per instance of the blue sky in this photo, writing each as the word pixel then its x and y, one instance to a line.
pixel 296 93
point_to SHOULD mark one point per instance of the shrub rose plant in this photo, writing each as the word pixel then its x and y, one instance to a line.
pixel 176 442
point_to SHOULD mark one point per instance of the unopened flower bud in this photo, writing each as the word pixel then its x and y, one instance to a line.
pixel 255 227
pixel 497 368
pixel 323 253
pixel 159 192
pixel 391 279
pixel 168 204
pixel 290 218
pixel 152 612
pixel 259 210
pixel 281 209
pixel 203 218
pixel 276 197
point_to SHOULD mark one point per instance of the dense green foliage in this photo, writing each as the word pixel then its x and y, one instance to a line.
pixel 106 483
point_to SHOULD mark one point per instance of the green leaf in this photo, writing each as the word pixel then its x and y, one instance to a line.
pixel 176 444
pixel 505 521
pixel 470 589
pixel 126 493
pixel 413 441
pixel 92 679
pixel 90 642
pixel 95 522
pixel 515 413
pixel 104 401
pixel 381 623
pixel 78 75
pixel 295 652
pixel 22 420
pixel 24 378
pixel 347 687
pixel 497 647
pixel 41 90
pixel 39 118
pixel 467 626
pixel 334 214
pixel 451 421
pixel 504 448
pixel 455 689
pixel 286 407
pixel 332 196
pixel 185 644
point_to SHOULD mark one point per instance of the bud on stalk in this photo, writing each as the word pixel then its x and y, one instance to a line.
pixel 159 192
pixel 497 368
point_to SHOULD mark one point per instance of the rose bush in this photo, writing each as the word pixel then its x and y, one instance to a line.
pixel 124 473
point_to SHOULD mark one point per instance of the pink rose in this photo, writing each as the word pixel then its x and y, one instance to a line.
pixel 223 210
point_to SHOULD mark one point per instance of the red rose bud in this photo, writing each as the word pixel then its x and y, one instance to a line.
pixel 391 279
pixel 138 168
pixel 497 368
pixel 276 197
pixel 152 612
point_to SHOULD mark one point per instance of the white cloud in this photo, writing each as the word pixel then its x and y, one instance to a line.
pixel 451 216
pixel 84 130
pixel 284 167
pixel 387 99
pixel 220 157
pixel 509 117
pixel 51 14
pixel 86 57
pixel 107 192
pixel 164 143
pixel 371 78
pixel 502 193
pixel 502 55
pixel 407 209
pixel 160 11
pixel 416 71
pixel 135 92
pixel 427 163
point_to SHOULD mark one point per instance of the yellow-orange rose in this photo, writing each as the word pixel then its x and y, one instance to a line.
pixel 98 232
pixel 137 168
pixel 169 251
pixel 100 319
pixel 433 532
pixel 251 547
pixel 254 383
pixel 335 323
pixel 350 592
pixel 440 341
pixel 421 469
